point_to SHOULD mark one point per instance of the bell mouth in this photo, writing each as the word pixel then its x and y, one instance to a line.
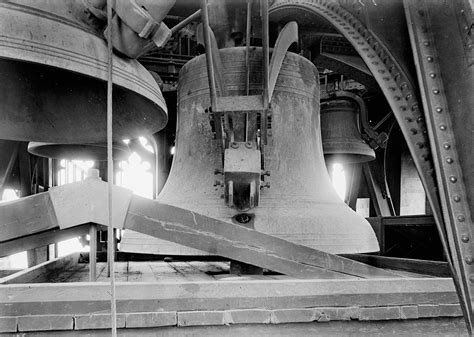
pixel 97 152
pixel 358 157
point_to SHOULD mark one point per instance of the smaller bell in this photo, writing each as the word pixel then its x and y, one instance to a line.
pixel 342 141
pixel 78 151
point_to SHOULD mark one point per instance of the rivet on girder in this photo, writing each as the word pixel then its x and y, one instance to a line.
pixel 397 98
pixel 419 120
pixel 453 179
pixel 414 131
pixel 435 91
pixel 426 43
pixel 439 110
pixel 408 97
pixel 461 218
pixel 449 160
pixel 429 59
pixel 403 108
pixel 465 238
pixel 432 75
pixel 446 146
pixel 414 107
pixel 442 127
pixel 456 198
pixel 408 119
pixel 468 259
pixel 471 278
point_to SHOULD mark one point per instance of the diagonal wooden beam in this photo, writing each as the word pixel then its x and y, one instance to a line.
pixel 41 239
pixel 79 203
pixel 239 243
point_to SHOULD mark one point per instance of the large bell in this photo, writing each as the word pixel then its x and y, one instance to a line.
pixel 301 205
pixel 53 68
pixel 340 134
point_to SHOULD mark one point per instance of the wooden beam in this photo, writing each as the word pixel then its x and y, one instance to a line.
pixel 434 268
pixel 239 243
pixel 76 204
pixel 381 201
pixel 40 239
pixel 9 154
pixel 26 216
pixel 86 297
pixel 39 273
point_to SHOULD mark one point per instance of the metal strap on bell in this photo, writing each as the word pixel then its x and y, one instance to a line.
pixel 340 132
pixel 301 204
pixel 54 69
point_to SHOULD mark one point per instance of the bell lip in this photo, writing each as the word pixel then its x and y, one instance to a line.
pixel 95 152
pixel 22 40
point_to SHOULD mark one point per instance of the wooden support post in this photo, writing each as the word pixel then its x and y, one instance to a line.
pixel 37 256
pixel 380 200
pixel 92 253
pixel 8 149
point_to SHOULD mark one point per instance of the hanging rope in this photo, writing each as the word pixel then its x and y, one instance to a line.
pixel 110 173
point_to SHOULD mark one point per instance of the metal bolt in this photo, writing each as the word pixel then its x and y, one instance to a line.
pixel 449 160
pixel 446 146
pixel 419 120
pixel 426 43
pixel 414 107
pixel 234 145
pixel 457 198
pixel 414 131
pixel 439 110
pixel 453 179
pixel 408 119
pixel 461 218
pixel 429 59
pixel 403 108
pixel 442 127
pixel 433 75
pixel 218 183
pixel 248 145
pixel 265 184
pixel 465 238
pixel 408 97
pixel 397 98
pixel 468 259
pixel 435 91
pixel 471 278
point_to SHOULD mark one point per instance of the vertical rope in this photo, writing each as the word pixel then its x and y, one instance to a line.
pixel 110 173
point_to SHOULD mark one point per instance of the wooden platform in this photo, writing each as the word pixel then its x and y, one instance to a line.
pixel 197 297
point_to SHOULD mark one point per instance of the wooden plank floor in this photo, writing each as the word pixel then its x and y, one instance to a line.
pixel 161 271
